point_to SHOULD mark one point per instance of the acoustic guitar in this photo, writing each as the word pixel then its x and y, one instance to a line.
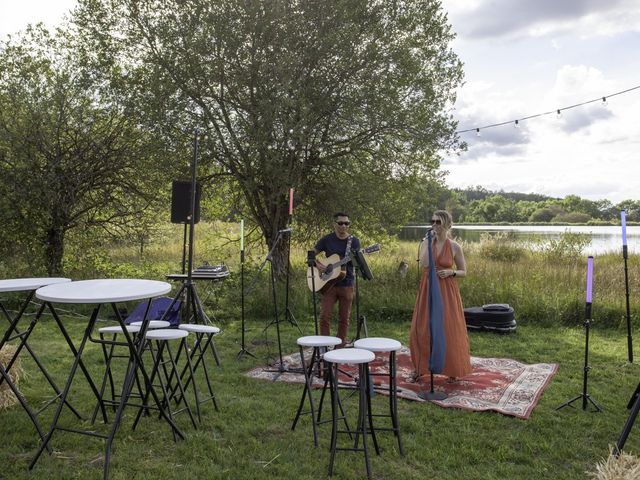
pixel 335 269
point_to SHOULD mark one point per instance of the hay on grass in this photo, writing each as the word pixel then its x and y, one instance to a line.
pixel 624 467
pixel 7 397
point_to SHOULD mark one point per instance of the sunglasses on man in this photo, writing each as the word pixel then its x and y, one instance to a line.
pixel 342 224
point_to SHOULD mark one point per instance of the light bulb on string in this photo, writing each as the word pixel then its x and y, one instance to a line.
pixel 516 124
pixel 478 132
pixel 558 114
pixel 604 102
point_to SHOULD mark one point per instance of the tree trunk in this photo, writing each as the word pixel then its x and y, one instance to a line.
pixel 54 250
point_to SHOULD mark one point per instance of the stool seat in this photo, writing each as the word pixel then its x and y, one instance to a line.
pixel 318 341
pixel 378 344
pixel 166 334
pixel 153 324
pixel 198 328
pixel 118 329
pixel 349 356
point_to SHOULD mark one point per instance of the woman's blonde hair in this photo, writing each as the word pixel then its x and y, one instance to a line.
pixel 445 217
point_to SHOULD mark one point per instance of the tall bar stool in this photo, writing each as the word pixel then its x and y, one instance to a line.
pixel 390 346
pixel 204 329
pixel 204 339
pixel 319 344
pixel 165 370
pixel 360 357
pixel 108 351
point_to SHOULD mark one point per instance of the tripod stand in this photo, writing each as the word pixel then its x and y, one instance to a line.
pixel 188 290
pixel 243 350
pixel 287 311
pixel 362 269
pixel 584 395
pixel 634 405
pixel 276 320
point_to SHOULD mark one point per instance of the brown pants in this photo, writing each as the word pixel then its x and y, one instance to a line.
pixel 344 297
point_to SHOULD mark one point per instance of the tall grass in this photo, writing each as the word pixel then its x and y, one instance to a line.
pixel 545 284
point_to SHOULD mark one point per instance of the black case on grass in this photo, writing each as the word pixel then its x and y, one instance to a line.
pixel 498 317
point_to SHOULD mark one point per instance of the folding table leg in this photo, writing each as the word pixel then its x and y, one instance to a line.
pixel 77 361
pixel 5 376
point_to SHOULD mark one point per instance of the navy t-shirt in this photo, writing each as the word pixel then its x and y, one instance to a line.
pixel 331 244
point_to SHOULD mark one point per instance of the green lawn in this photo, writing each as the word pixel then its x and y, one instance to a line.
pixel 251 437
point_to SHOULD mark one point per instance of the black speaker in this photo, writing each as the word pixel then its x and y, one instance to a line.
pixel 181 202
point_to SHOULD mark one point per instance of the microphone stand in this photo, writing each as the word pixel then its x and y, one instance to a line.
pixel 362 320
pixel 431 394
pixel 311 262
pixel 626 288
pixel 287 311
pixel 243 350
pixel 269 258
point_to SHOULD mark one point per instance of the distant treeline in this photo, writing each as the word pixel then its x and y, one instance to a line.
pixel 479 205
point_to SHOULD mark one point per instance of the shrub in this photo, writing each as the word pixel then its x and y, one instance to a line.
pixel 501 247
pixel 542 215
pixel 568 247
pixel 571 217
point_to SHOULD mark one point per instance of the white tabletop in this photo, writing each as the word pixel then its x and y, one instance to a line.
pixel 103 291
pixel 28 284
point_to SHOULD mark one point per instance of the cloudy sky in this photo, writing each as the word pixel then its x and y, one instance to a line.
pixel 522 58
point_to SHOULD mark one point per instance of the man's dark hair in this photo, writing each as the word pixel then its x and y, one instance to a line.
pixel 339 214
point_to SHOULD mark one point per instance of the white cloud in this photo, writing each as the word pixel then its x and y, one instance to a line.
pixel 588 51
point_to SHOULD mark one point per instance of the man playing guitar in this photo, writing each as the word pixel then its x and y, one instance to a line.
pixel 339 242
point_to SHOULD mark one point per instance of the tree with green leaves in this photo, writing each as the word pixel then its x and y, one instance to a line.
pixel 346 101
pixel 69 158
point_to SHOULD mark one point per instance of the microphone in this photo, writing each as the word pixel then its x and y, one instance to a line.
pixel 426 232
pixel 285 230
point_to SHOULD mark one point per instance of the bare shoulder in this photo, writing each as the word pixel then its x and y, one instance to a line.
pixel 455 246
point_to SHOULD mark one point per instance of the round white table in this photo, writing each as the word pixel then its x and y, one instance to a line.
pixel 103 291
pixel 12 332
pixel 98 293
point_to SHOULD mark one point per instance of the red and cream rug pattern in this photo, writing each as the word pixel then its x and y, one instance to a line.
pixel 496 384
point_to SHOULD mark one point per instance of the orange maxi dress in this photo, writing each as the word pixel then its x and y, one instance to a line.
pixel 457 358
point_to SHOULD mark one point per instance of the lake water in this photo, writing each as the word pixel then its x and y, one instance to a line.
pixel 603 238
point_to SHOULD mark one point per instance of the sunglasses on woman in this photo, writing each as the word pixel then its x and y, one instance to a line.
pixel 436 222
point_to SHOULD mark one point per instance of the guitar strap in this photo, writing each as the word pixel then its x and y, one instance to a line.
pixel 347 252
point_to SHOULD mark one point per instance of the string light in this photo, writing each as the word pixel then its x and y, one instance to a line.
pixel 516 124
pixel 557 112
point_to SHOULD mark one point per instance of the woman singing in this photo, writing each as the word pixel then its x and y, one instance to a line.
pixel 450 265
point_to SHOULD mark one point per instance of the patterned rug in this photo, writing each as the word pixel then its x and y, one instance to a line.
pixel 499 384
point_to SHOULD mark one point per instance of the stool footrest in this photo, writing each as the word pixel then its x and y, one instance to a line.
pixel 346 449
pixel 47 404
pixel 83 432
